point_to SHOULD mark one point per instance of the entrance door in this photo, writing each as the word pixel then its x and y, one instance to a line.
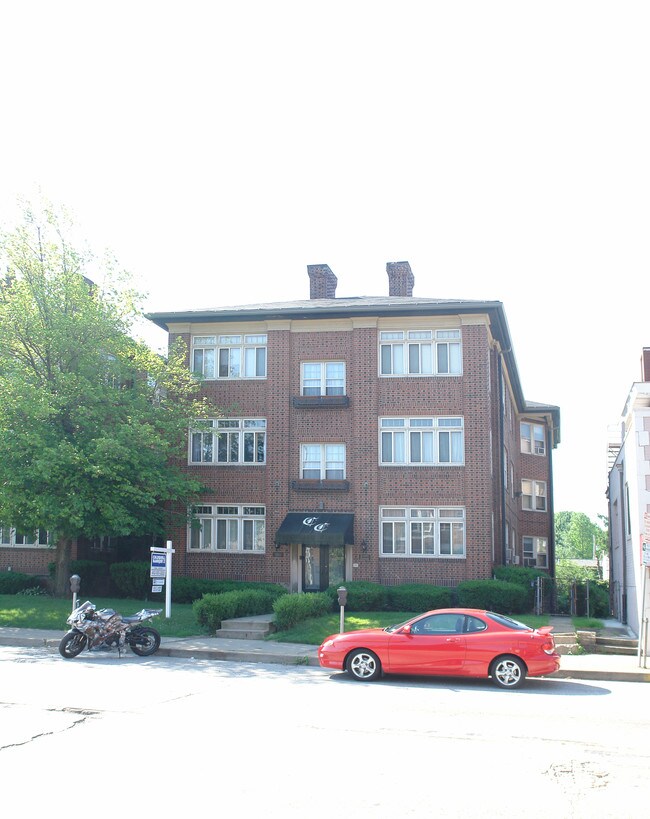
pixel 322 566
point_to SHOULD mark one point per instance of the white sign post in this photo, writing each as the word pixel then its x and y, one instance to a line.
pixel 161 571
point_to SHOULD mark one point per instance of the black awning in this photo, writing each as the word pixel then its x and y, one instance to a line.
pixel 316 529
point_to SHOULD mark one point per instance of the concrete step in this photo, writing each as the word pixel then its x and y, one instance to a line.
pixel 242 628
pixel 616 645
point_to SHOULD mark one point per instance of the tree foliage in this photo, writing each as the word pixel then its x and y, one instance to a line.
pixel 578 538
pixel 93 423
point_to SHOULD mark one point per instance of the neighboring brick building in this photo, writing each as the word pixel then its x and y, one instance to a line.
pixel 384 439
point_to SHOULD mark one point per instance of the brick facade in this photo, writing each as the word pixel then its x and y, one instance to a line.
pixel 486 395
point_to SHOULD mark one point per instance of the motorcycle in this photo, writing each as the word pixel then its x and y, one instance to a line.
pixel 104 629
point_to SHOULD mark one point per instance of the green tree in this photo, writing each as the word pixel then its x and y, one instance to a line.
pixel 93 423
pixel 577 537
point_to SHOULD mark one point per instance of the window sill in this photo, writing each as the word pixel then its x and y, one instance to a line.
pixel 321 486
pixel 320 401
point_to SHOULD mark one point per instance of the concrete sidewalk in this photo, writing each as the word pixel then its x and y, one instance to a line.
pixel 612 667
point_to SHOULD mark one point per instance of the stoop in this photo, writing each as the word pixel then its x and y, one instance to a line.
pixel 247 628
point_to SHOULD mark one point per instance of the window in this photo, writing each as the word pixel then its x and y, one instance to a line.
pixel 228 528
pixel 420 352
pixel 15 537
pixel 533 495
pixel 422 532
pixel 535 552
pixel 233 356
pixel 533 439
pixel 322 378
pixel 229 441
pixel 421 441
pixel 322 462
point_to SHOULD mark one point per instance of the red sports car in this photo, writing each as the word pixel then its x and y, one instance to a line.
pixel 446 642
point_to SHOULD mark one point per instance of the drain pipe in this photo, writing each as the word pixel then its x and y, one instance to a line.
pixel 624 513
pixel 504 556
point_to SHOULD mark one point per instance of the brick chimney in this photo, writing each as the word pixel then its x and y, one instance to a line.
pixel 400 279
pixel 322 282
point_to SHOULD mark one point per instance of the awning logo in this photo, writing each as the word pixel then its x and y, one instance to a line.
pixel 313 523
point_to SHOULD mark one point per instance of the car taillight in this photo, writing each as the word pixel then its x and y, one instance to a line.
pixel 548 647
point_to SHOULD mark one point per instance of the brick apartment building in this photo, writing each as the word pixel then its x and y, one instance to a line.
pixel 383 439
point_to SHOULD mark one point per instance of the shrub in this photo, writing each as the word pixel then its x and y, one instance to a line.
pixel 599 599
pixel 362 595
pixel 523 576
pixel 493 595
pixel 132 579
pixel 16 582
pixel 211 609
pixel 292 609
pixel 418 597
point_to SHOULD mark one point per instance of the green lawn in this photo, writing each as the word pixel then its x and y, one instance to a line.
pixel 23 611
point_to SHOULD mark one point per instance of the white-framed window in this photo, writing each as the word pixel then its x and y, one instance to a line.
pixel 535 552
pixel 422 532
pixel 322 462
pixel 533 438
pixel 229 356
pixel 421 441
pixel 9 536
pixel 322 378
pixel 229 441
pixel 533 495
pixel 420 352
pixel 227 528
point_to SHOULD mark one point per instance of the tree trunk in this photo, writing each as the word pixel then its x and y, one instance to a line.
pixel 62 573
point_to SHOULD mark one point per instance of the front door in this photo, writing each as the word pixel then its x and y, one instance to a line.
pixel 322 566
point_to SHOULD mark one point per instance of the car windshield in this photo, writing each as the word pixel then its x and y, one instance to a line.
pixel 508 622
pixel 391 629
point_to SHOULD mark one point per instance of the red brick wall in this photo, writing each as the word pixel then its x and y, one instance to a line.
pixel 477 485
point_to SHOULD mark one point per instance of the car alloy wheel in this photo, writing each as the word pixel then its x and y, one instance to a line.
pixel 363 665
pixel 508 672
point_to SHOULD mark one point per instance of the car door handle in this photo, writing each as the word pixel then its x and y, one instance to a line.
pixel 453 640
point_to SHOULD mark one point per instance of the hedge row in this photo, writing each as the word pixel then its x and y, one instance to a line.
pixel 493 595
pixel 291 609
pixel 132 580
pixel 16 582
pixel 366 596
pixel 211 609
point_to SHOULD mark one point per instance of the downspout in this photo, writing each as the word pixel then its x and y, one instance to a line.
pixel 624 513
pixel 504 556
pixel 551 507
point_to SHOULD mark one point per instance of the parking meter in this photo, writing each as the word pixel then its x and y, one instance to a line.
pixel 343 599
pixel 75 584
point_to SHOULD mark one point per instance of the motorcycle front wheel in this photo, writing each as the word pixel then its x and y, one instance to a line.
pixel 144 641
pixel 73 643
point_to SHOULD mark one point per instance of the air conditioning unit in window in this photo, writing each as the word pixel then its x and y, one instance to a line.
pixel 516 560
pixel 530 562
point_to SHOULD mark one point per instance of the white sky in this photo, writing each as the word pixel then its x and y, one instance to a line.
pixel 502 148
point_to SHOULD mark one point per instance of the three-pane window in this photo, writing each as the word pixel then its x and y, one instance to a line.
pixel 422 532
pixel 421 441
pixel 229 356
pixel 229 441
pixel 233 528
pixel 9 536
pixel 420 352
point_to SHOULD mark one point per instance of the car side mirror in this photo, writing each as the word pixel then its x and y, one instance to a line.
pixel 406 629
